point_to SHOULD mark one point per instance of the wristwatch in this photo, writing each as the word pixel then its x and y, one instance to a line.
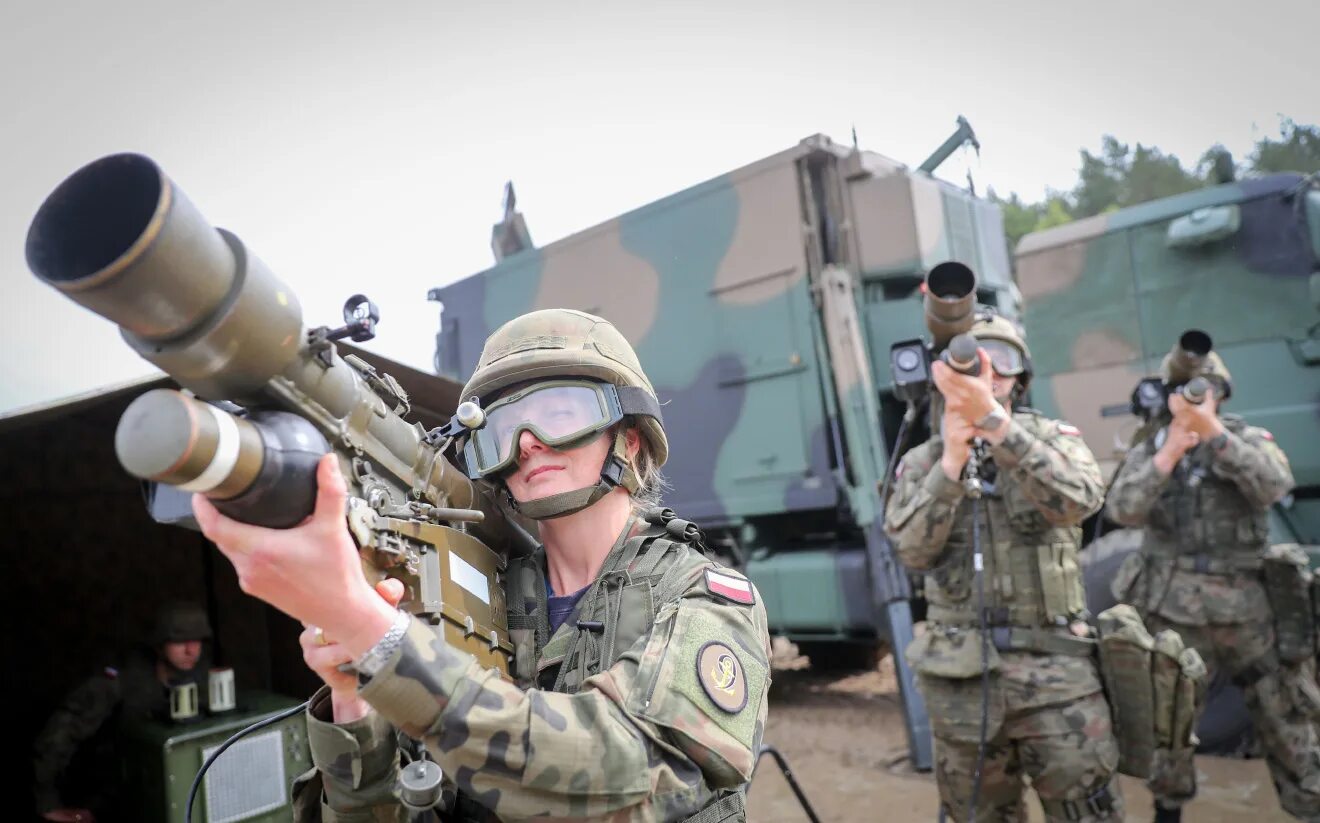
pixel 993 420
pixel 373 660
pixel 1219 441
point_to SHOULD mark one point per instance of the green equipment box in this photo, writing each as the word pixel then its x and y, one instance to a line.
pixel 249 782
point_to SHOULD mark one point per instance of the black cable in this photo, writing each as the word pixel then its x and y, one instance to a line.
pixel 788 776
pixel 896 454
pixel 978 564
pixel 269 721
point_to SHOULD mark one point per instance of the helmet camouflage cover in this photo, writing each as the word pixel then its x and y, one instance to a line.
pixel 179 622
pixel 557 343
pixel 1212 366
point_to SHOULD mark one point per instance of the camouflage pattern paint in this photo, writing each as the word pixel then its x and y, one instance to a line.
pixel 721 290
pixel 731 260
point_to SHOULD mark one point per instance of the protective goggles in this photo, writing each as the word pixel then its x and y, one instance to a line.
pixel 562 414
pixel 1005 358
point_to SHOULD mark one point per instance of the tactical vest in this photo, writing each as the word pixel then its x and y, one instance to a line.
pixel 647 568
pixel 1032 577
pixel 1204 519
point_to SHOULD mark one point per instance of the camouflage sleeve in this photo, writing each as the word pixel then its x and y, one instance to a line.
pixel 921 509
pixel 1137 485
pixel 679 716
pixel 1256 464
pixel 1054 469
pixel 358 763
pixel 80 716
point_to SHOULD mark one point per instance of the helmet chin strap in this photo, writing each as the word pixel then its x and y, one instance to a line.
pixel 617 470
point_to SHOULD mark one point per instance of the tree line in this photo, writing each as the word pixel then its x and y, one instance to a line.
pixel 1121 175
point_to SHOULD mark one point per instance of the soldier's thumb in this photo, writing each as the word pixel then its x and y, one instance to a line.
pixel 987 365
pixel 331 491
pixel 392 590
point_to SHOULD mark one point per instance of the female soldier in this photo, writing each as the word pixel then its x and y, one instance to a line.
pixel 644 666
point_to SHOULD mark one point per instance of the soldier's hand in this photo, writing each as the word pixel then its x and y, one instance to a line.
pixel 957 434
pixel 310 572
pixel 324 655
pixel 1202 418
pixel 1178 440
pixel 971 397
pixel 70 816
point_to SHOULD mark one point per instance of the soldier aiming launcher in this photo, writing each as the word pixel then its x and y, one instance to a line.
pixel 119 238
pixel 950 311
pixel 1150 398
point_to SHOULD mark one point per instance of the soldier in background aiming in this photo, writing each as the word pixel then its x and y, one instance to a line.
pixel 1044 713
pixel 1201 487
pixel 74 761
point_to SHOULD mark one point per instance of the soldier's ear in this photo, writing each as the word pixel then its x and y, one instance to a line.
pixel 632 441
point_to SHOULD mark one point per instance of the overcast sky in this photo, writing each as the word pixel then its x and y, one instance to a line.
pixel 363 146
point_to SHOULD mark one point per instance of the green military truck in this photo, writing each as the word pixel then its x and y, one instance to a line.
pixel 1106 297
pixel 763 303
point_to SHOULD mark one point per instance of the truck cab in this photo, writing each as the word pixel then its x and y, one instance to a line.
pixel 1105 298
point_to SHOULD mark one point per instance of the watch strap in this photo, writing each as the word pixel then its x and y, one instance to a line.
pixel 373 660
pixel 993 420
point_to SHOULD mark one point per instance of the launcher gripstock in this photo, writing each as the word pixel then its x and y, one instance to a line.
pixel 120 238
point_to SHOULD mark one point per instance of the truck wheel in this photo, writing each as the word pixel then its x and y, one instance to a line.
pixel 842 657
pixel 1225 725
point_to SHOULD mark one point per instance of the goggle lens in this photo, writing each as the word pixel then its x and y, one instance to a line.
pixel 1004 357
pixel 557 414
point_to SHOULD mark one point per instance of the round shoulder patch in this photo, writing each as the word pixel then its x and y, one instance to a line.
pixel 721 675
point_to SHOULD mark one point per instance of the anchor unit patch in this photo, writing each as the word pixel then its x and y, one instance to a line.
pixel 721 676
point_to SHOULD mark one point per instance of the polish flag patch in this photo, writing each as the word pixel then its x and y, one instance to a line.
pixel 733 589
pixel 1068 428
pixel 1265 434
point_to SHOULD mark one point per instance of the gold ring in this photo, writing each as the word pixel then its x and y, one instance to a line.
pixel 320 637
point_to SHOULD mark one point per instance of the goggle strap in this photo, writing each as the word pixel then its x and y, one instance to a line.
pixel 636 400
pixel 618 469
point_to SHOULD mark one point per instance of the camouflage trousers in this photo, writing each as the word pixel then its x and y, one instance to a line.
pixel 1284 705
pixel 1068 752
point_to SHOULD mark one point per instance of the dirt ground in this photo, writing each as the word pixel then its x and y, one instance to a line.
pixel 844 740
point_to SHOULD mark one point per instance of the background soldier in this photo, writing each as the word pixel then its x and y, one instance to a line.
pixel 1044 712
pixel 1202 487
pixel 75 764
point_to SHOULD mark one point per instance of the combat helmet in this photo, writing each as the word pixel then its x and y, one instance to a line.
pixel 557 344
pixel 990 325
pixel 181 621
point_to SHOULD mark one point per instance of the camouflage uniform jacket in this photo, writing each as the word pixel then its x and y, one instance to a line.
pixel 1043 482
pixel 88 715
pixel 658 728
pixel 1205 526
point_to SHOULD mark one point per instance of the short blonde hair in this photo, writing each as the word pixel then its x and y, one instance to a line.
pixel 651 484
